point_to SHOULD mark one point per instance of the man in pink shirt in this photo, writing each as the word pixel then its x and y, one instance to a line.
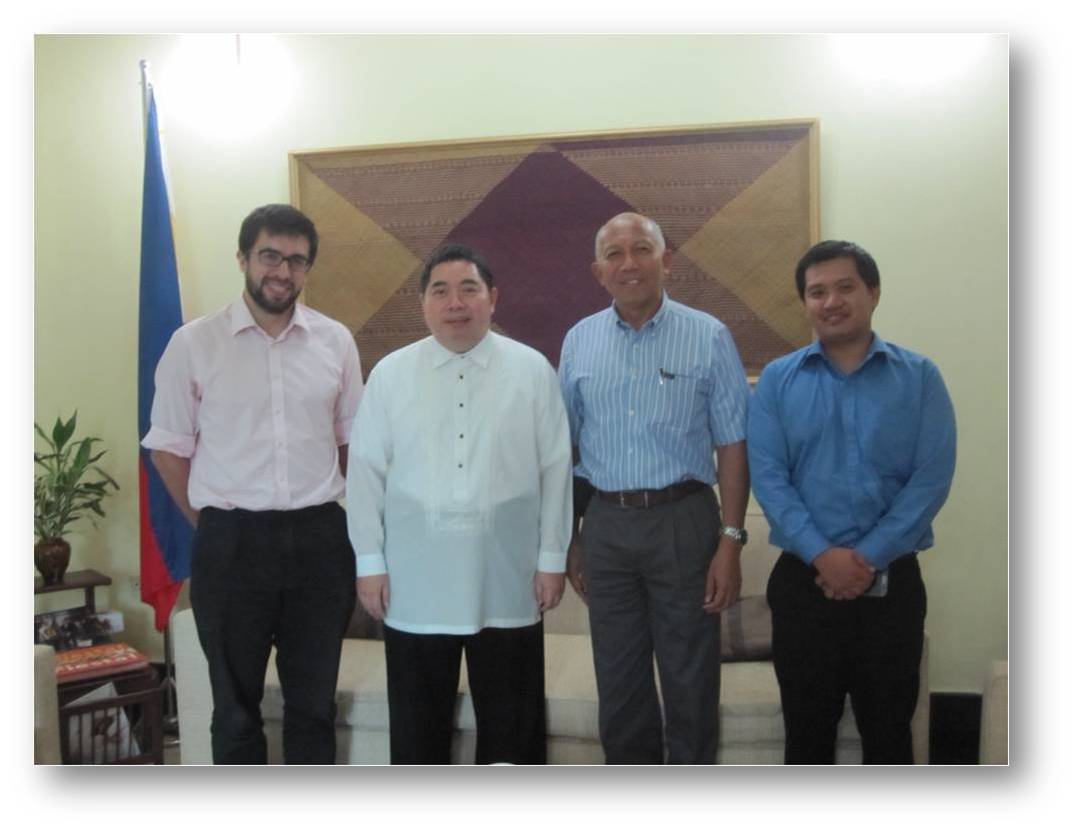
pixel 250 425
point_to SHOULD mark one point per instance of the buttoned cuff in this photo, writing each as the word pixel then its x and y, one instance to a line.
pixel 370 565
pixel 174 443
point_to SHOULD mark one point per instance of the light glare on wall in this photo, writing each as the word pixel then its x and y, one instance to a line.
pixel 911 59
pixel 228 86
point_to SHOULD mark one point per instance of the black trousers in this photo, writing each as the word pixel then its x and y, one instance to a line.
pixel 505 668
pixel 824 649
pixel 645 572
pixel 273 578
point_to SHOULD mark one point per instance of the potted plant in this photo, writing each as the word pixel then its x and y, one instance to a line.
pixel 63 493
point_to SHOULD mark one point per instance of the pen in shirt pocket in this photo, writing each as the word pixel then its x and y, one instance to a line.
pixel 664 374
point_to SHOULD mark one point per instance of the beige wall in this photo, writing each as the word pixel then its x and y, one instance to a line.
pixel 915 170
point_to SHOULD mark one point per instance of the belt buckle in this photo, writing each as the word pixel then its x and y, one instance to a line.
pixel 622 499
pixel 646 498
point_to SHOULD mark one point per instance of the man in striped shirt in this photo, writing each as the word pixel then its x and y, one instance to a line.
pixel 652 388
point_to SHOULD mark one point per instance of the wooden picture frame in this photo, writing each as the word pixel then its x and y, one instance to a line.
pixel 738 205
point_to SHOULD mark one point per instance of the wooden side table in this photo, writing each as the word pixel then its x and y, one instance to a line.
pixel 87 580
pixel 125 728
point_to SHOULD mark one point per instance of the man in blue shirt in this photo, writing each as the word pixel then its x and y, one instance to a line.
pixel 852 452
pixel 652 388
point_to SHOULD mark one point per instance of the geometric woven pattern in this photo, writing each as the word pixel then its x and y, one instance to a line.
pixel 738 206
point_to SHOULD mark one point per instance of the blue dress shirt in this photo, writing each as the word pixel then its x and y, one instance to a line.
pixel 861 461
pixel 648 407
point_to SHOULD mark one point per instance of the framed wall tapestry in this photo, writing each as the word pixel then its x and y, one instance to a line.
pixel 738 205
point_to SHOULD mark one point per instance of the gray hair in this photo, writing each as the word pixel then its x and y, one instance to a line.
pixel 651 223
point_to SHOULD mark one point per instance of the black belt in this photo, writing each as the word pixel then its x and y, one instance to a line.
pixel 650 499
pixel 309 512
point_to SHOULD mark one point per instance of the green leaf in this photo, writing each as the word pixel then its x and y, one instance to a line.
pixel 61 433
pixel 62 494
pixel 108 478
pixel 82 454
pixel 57 432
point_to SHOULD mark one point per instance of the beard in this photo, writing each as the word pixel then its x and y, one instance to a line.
pixel 275 307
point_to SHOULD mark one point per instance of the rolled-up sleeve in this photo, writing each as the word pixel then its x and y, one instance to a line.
pixel 174 415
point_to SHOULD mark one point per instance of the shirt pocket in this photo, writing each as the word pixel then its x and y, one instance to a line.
pixel 680 398
pixel 888 442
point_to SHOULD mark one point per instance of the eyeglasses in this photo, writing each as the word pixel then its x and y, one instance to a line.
pixel 271 257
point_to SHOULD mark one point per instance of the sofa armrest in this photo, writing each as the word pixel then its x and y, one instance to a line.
pixel 46 708
pixel 194 698
pixel 994 716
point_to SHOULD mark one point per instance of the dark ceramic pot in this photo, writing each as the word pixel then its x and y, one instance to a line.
pixel 51 558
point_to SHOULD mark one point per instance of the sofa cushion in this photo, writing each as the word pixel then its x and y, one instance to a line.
pixel 570 689
pixel 746 631
pixel 362 625
pixel 570 617
pixel 362 698
pixel 361 692
pixel 749 695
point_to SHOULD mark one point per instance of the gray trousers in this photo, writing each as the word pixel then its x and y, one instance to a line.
pixel 645 572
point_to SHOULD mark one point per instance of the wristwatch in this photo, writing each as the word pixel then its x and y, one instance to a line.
pixel 739 535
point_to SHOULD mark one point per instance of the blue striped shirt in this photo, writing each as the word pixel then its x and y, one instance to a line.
pixel 861 461
pixel 648 407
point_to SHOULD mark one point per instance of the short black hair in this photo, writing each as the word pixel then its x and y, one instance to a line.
pixel 451 252
pixel 833 249
pixel 277 219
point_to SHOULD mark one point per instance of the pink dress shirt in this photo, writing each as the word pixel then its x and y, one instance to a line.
pixel 259 418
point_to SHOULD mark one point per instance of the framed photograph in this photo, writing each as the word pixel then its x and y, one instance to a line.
pixel 738 205
pixel 74 628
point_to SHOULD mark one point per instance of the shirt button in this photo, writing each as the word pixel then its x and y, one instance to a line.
pixel 631 412
pixel 460 404
pixel 460 467
pixel 460 435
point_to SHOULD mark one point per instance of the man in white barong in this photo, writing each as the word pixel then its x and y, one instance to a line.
pixel 459 512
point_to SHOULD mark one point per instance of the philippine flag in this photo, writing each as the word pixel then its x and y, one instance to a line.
pixel 166 535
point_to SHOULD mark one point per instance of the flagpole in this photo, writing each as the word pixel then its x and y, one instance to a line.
pixel 171 719
pixel 143 65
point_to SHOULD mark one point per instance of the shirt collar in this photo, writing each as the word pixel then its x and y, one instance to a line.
pixel 878 346
pixel 480 354
pixel 652 322
pixel 240 317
